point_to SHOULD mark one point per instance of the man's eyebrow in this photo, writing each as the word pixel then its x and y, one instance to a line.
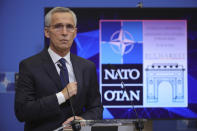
pixel 58 24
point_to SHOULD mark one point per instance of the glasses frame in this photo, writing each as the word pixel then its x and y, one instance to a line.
pixel 60 27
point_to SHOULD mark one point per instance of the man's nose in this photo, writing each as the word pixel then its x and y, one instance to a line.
pixel 64 30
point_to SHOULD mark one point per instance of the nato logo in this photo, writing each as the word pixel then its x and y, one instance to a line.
pixel 121 60
pixel 121 42
pixel 7 83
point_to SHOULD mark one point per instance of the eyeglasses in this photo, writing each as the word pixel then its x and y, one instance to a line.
pixel 60 27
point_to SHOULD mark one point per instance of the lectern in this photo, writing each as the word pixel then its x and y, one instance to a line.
pixel 108 125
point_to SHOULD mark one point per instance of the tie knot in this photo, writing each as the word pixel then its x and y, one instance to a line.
pixel 63 62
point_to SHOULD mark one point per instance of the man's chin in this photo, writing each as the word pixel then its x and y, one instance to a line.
pixel 63 49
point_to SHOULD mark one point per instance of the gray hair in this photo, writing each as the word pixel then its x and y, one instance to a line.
pixel 59 9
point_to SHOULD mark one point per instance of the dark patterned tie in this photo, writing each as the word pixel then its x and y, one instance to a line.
pixel 64 72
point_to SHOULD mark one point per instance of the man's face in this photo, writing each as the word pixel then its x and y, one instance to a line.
pixel 61 32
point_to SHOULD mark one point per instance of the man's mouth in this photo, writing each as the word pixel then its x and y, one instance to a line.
pixel 64 40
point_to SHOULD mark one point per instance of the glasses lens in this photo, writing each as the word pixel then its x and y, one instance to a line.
pixel 70 27
pixel 60 27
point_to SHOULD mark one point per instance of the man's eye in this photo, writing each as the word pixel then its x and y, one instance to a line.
pixel 58 26
pixel 69 26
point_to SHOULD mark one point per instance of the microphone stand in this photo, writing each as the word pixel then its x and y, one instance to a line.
pixel 76 126
pixel 139 125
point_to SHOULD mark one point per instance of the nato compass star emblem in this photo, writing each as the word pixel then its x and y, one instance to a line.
pixel 122 42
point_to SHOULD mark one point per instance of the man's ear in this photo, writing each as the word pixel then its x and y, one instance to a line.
pixel 75 32
pixel 46 32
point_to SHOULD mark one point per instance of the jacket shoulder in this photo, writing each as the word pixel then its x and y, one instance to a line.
pixel 82 61
pixel 33 60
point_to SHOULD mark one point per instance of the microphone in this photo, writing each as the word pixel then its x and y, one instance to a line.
pixel 139 125
pixel 76 126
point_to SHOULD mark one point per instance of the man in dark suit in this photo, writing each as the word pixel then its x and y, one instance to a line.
pixel 42 96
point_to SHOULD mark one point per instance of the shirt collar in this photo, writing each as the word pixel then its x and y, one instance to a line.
pixel 55 57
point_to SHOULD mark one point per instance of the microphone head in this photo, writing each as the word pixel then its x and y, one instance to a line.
pixel 76 126
pixel 139 125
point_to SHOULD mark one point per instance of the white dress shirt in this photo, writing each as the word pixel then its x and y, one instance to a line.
pixel 55 57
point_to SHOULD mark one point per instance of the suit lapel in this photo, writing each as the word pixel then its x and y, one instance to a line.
pixel 50 68
pixel 77 72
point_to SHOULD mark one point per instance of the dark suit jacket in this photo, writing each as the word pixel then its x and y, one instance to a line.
pixel 35 99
